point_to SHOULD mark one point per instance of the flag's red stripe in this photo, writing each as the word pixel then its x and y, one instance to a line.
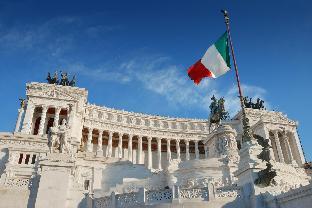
pixel 198 71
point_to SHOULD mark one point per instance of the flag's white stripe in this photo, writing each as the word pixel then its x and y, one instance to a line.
pixel 214 62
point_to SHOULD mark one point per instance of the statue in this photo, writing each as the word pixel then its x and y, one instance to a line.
pixel 49 79
pixel 249 104
pixel 22 102
pixel 58 138
pixel 55 78
pixel 72 83
pixel 265 176
pixel 64 79
pixel 217 111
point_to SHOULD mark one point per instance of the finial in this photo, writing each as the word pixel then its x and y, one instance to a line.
pixel 226 16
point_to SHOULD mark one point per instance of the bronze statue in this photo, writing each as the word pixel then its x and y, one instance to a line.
pixel 72 83
pixel 265 176
pixel 217 111
pixel 22 102
pixel 249 104
pixel 63 81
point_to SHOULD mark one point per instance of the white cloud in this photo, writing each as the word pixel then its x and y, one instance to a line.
pixel 158 75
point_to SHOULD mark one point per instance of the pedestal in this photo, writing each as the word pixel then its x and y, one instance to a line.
pixel 54 181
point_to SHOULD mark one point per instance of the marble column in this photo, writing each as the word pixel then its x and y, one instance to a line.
pixel 206 151
pixel 71 113
pixel 120 145
pixel 57 116
pixel 187 149
pixel 130 148
pixel 159 152
pixel 278 147
pixel 89 142
pixel 196 150
pixel 139 160
pixel 28 118
pixel 289 153
pixel 100 142
pixel 267 136
pixel 110 144
pixel 178 149
pixel 295 138
pixel 19 118
pixel 43 120
pixel 149 153
pixel 168 150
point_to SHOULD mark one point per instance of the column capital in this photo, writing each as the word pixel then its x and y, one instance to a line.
pixel 177 140
pixel 158 139
pixel 149 138
pixel 44 107
pixel 120 134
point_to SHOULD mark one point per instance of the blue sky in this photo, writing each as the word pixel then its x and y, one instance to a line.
pixel 133 55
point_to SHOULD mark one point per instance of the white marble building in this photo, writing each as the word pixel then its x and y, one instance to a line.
pixel 65 152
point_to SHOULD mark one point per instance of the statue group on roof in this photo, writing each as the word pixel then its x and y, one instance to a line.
pixel 63 81
pixel 259 104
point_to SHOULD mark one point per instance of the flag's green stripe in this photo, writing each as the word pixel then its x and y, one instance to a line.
pixel 223 48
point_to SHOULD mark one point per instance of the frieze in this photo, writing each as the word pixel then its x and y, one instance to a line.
pixel 56 91
pixel 144 132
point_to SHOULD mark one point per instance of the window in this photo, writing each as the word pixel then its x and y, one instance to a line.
pixel 20 159
pixel 27 159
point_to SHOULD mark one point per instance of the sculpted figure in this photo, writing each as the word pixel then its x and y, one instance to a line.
pixel 64 146
pixel 72 83
pixel 22 102
pixel 64 79
pixel 49 79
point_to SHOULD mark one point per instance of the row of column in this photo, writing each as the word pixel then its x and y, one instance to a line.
pixel 109 149
pixel 28 118
pixel 281 155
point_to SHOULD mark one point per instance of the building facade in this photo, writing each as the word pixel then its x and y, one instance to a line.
pixel 65 152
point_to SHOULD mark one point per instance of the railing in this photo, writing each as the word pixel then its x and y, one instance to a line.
pixel 144 197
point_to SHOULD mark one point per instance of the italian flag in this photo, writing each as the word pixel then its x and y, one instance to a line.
pixel 214 63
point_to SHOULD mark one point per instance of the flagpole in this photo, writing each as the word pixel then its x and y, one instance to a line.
pixel 247 135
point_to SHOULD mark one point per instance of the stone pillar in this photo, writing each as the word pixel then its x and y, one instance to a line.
pixel 278 147
pixel 70 116
pixel 289 153
pixel 100 142
pixel 149 153
pixel 178 149
pixel 42 120
pixel 206 151
pixel 168 150
pixel 159 152
pixel 196 150
pixel 130 148
pixel 187 149
pixel 55 182
pixel 89 142
pixel 27 122
pixel 19 118
pixel 57 116
pixel 267 136
pixel 139 160
pixel 299 147
pixel 110 144
pixel 120 145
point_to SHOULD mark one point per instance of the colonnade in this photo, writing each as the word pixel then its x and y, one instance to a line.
pixel 284 146
pixel 138 158
pixel 32 117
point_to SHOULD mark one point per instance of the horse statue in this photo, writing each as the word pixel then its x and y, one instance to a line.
pixel 217 111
